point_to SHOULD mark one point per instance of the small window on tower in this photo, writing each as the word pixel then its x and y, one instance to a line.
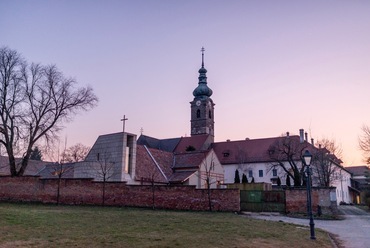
pixel 210 114
pixel 198 113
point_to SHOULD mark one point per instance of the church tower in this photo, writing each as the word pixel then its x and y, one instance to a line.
pixel 202 107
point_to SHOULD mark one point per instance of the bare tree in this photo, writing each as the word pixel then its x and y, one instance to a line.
pixel 105 170
pixel 35 101
pixel 326 162
pixel 241 157
pixel 286 153
pixel 364 142
pixel 208 175
pixel 151 175
pixel 59 170
pixel 75 153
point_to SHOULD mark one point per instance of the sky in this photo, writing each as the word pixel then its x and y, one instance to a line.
pixel 273 66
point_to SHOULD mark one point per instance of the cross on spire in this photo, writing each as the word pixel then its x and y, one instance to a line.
pixel 124 122
pixel 202 50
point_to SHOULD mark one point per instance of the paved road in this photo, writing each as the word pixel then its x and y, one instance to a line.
pixel 354 230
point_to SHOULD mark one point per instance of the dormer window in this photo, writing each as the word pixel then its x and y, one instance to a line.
pixel 226 154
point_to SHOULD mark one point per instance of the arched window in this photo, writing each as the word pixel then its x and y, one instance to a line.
pixel 210 114
pixel 198 113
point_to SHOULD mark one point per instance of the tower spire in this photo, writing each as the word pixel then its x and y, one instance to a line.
pixel 202 91
pixel 202 50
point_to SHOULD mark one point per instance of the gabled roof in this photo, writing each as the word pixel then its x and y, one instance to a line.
pixel 358 170
pixel 168 145
pixel 198 142
pixel 33 167
pixel 189 160
pixel 153 163
pixel 166 167
pixel 252 150
pixel 181 176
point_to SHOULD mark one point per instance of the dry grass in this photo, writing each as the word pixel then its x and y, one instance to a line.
pixel 25 225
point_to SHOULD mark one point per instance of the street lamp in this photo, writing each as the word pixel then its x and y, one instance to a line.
pixel 307 161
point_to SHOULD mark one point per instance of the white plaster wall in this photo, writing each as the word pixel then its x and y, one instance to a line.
pixel 342 182
pixel 255 167
pixel 217 172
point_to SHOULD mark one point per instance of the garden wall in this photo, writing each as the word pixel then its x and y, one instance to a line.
pixel 88 192
pixel 296 200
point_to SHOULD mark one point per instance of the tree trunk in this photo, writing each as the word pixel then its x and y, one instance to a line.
pixel 103 200
pixel 209 195
pixel 58 190
pixel 153 196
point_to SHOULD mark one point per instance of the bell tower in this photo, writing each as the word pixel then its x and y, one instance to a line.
pixel 202 106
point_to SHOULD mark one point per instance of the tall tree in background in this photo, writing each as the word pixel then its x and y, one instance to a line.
pixel 286 152
pixel 364 142
pixel 236 176
pixel 326 160
pixel 36 154
pixel 75 153
pixel 34 102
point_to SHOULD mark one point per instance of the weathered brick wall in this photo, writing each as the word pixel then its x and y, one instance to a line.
pixel 296 200
pixel 87 192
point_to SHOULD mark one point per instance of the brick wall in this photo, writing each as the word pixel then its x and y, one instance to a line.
pixel 87 192
pixel 296 200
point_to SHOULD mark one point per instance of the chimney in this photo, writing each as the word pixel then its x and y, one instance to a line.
pixel 306 137
pixel 287 134
pixel 301 139
pixel 312 142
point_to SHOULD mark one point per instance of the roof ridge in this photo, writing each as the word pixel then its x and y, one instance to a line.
pixel 245 140
pixel 155 162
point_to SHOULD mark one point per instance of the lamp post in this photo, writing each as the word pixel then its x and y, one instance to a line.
pixel 307 161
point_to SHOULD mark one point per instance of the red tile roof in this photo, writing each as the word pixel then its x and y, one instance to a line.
pixel 176 167
pixel 254 150
pixel 181 176
pixel 146 168
pixel 199 142
pixel 189 160
pixel 358 170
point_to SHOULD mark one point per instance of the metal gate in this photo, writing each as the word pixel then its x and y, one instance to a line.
pixel 262 201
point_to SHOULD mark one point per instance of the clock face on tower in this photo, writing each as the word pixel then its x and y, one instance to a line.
pixel 198 103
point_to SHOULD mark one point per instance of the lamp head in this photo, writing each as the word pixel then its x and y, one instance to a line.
pixel 307 156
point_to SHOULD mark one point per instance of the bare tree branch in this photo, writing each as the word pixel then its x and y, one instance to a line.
pixel 364 142
pixel 286 153
pixel 35 101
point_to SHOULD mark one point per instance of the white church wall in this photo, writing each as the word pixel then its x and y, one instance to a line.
pixel 261 172
pixel 215 170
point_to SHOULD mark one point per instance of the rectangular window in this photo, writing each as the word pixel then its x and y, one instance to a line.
pixel 274 172
pixel 250 173
pixel 260 173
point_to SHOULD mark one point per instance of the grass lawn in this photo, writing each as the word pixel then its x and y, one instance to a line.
pixel 29 225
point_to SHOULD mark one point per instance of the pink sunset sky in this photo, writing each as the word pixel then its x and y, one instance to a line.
pixel 274 66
